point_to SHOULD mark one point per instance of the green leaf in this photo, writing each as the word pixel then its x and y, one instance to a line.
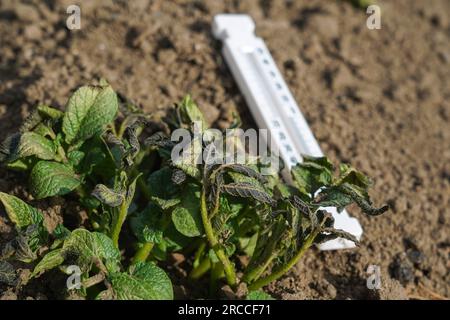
pixel 312 174
pixel 22 145
pixel 88 111
pixel 87 246
pixel 7 273
pixel 61 232
pixel 108 196
pixel 186 217
pixel 49 112
pixel 166 204
pixel 75 157
pixel 49 261
pixel 146 226
pixel 144 281
pixel 190 113
pixel 19 212
pixel 160 184
pixel 259 295
pixel 51 179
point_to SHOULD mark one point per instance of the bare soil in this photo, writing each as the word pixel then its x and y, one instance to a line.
pixel 379 99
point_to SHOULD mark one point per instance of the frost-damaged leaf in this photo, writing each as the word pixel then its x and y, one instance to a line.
pixel 247 171
pixel 312 174
pixel 301 205
pixel 88 111
pixel 49 261
pixel 22 145
pixel 7 273
pixel 144 281
pixel 51 178
pixel 247 190
pixel 186 217
pixel 20 212
pixel 178 176
pixel 328 234
pixel 259 295
pixel 87 246
pixel 107 196
pixel 189 158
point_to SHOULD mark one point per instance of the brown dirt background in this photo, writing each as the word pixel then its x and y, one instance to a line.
pixel 378 99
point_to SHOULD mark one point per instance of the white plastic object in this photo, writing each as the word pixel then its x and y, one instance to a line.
pixel 272 104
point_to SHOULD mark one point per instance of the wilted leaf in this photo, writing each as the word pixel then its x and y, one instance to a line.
pixel 178 176
pixel 88 111
pixel 7 273
pixel 108 196
pixel 51 179
pixel 247 190
pixel 312 174
pixel 144 281
pixel 247 171
pixel 328 234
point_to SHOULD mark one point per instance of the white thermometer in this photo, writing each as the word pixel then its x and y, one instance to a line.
pixel 272 104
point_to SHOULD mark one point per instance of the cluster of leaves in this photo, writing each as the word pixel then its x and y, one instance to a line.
pixel 101 152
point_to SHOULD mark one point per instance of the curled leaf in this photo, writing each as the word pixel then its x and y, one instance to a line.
pixel 8 275
pixel 107 196
pixel 247 190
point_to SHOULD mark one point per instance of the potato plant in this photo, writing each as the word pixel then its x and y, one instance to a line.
pixel 102 151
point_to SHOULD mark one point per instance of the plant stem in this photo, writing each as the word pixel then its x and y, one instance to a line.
pixel 285 268
pixel 122 214
pixel 201 269
pixel 92 281
pixel 230 274
pixel 216 274
pixel 256 272
pixel 143 253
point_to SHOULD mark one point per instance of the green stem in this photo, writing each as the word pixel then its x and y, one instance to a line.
pixel 230 274
pixel 256 272
pixel 285 268
pixel 199 253
pixel 143 252
pixel 201 269
pixel 216 274
pixel 122 215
